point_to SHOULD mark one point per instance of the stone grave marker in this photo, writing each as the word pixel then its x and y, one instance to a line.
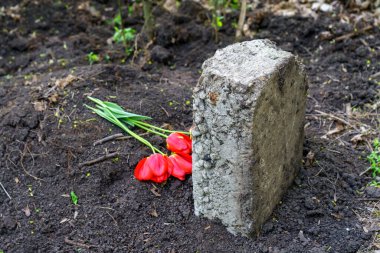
pixel 249 107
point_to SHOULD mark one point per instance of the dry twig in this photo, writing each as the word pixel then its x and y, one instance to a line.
pixel 108 138
pixel 353 34
pixel 22 163
pixel 99 159
pixel 2 186
pixel 336 118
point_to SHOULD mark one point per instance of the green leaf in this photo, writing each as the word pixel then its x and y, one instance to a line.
pixel 116 115
pixel 117 20
pixel 118 111
pixel 74 198
pixel 219 22
pixel 120 34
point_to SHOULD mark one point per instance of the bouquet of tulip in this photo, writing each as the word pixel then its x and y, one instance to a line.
pixel 158 167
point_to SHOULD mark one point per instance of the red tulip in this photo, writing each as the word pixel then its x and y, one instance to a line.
pixel 156 168
pixel 179 143
pixel 182 165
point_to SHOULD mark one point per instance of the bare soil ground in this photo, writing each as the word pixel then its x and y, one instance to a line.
pixel 46 132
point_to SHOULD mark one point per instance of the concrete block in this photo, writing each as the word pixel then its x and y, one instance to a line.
pixel 249 107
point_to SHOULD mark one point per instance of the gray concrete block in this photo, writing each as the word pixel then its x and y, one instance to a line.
pixel 249 107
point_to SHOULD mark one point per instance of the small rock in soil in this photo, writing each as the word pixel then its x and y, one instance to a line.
pixel 161 54
pixel 268 227
pixel 19 44
pixel 11 119
pixel 372 192
pixel 185 211
pixel 21 134
pixel 298 181
pixel 8 223
pixel 361 51
pixel 353 246
pixel 350 179
pixel 313 230
pixel 31 121
pixel 310 204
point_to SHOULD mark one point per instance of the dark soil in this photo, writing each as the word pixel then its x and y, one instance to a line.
pixel 41 147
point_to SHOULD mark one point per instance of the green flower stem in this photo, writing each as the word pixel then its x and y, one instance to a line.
pixel 133 134
pixel 108 115
pixel 157 128
pixel 118 116
pixel 138 124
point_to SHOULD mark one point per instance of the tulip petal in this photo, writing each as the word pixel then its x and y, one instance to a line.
pixel 141 172
pixel 182 165
pixel 179 143
pixel 178 173
pixel 156 168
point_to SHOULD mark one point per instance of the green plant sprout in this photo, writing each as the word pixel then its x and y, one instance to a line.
pixel 233 4
pixel 74 198
pixel 117 20
pixel 121 34
pixel 130 10
pixel 217 18
pixel 374 158
pixel 218 22
pixel 127 34
pixel 92 58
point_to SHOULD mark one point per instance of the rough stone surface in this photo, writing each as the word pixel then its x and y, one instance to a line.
pixel 249 107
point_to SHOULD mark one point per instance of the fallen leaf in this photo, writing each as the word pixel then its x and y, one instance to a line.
pixel 26 210
pixel 155 192
pixel 339 127
pixel 357 138
pixel 14 12
pixel 154 213
pixel 167 126
pixel 40 106
pixel 171 6
pixel 325 35
pixel 310 158
pixel 337 216
pixel 85 6
pixel 62 83
pixel 53 98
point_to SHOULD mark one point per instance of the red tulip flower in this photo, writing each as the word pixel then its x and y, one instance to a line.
pixel 182 165
pixel 179 143
pixel 156 168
